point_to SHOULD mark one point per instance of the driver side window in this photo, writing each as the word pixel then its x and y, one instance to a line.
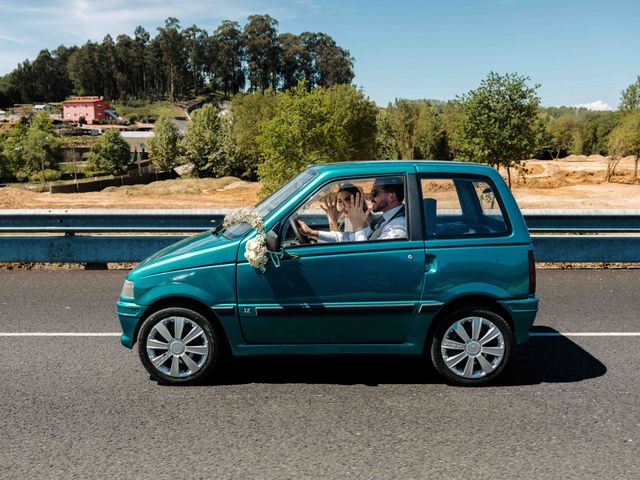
pixel 347 211
pixel 323 218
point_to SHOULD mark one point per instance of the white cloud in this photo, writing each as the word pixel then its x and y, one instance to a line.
pixel 597 105
pixel 83 19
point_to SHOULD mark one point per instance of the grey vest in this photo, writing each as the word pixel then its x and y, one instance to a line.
pixel 378 225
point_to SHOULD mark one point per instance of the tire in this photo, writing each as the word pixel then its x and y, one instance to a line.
pixel 466 355
pixel 179 346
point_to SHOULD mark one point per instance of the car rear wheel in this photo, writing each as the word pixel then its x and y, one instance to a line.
pixel 178 346
pixel 471 347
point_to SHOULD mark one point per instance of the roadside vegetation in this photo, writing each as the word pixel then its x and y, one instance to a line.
pixel 271 135
pixel 273 103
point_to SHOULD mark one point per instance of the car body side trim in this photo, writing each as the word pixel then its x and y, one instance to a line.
pixel 225 310
pixel 284 310
pixel 430 307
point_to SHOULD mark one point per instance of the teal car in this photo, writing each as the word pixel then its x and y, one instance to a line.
pixel 378 257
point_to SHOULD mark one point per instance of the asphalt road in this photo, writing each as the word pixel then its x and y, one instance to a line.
pixel 78 407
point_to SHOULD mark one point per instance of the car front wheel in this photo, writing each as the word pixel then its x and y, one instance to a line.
pixel 178 346
pixel 471 347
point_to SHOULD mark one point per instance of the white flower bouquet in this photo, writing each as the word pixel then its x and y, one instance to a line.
pixel 256 249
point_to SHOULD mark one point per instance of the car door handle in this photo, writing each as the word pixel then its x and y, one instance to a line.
pixel 430 264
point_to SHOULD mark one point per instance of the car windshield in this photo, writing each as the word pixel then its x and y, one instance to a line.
pixel 273 201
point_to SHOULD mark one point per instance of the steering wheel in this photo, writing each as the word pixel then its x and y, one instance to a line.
pixel 293 219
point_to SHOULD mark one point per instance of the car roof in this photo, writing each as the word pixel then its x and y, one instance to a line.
pixel 435 165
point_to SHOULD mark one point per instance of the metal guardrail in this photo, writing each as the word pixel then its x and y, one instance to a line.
pixel 101 236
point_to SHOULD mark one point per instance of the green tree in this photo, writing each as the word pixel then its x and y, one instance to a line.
pixel 225 57
pixel 497 121
pixel 41 153
pixel 246 113
pixel 335 124
pixel 403 119
pixel 385 140
pixel 562 132
pixel 231 159
pixel 32 147
pixel 431 139
pixel 164 145
pixel 593 131
pixel 292 53
pixel 14 149
pixel 450 125
pixel 9 94
pixel 352 123
pixel 84 70
pixel 196 42
pixel 262 51
pixel 110 155
pixel 630 96
pixel 323 62
pixel 625 141
pixel 202 141
pixel 174 55
pixel 415 129
pixel 544 142
pixel 4 161
pixel 42 122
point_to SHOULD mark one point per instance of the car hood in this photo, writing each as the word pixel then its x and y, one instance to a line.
pixel 201 250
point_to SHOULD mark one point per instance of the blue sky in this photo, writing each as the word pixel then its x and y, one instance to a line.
pixel 580 52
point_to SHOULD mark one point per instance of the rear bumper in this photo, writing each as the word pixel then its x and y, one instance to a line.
pixel 523 313
pixel 129 315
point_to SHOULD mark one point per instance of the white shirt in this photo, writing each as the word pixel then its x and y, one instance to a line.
pixel 391 228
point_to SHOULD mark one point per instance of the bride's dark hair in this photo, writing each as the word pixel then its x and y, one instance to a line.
pixel 353 190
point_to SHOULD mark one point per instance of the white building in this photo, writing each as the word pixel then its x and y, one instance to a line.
pixel 137 140
pixel 42 107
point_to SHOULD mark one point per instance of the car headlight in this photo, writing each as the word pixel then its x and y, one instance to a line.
pixel 127 289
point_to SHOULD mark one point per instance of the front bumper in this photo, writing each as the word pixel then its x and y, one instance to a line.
pixel 523 313
pixel 129 315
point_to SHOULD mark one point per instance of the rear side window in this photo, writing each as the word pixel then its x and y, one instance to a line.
pixel 458 206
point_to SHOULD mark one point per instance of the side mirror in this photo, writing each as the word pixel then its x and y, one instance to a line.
pixel 273 242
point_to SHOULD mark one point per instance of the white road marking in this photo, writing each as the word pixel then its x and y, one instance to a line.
pixel 113 334
pixel 58 334
pixel 585 334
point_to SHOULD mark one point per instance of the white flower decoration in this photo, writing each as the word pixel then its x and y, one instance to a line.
pixel 256 248
pixel 256 252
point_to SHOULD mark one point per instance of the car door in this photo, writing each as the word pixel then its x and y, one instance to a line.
pixel 360 292
pixel 470 245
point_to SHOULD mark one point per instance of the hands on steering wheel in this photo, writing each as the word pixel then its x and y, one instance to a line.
pixel 293 224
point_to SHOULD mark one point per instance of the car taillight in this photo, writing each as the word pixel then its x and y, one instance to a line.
pixel 532 274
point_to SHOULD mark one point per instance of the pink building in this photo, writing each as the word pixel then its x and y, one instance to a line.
pixel 91 108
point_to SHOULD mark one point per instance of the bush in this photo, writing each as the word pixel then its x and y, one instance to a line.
pixel 49 176
pixel 110 156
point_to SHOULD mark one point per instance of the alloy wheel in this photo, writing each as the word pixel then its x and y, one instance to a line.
pixel 177 347
pixel 473 347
